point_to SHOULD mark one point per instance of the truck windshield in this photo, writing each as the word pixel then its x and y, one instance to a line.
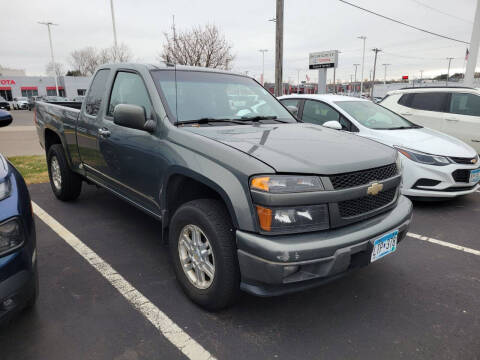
pixel 198 95
pixel 375 116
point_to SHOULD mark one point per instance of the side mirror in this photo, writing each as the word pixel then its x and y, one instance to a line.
pixel 333 124
pixel 5 118
pixel 293 110
pixel 131 116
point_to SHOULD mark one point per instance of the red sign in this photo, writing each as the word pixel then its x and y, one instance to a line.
pixel 8 82
pixel 28 88
pixel 6 88
pixel 53 88
pixel 405 77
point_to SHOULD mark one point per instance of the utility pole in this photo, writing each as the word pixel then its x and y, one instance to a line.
pixel 48 24
pixel 363 62
pixel 356 65
pixel 279 49
pixel 448 71
pixel 385 74
pixel 376 51
pixel 263 51
pixel 473 52
pixel 113 23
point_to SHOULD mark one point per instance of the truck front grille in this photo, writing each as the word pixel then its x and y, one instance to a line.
pixel 356 207
pixel 363 177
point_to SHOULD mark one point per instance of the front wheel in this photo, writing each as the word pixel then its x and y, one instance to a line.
pixel 204 254
pixel 66 185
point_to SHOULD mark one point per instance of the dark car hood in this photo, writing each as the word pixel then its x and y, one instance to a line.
pixel 302 148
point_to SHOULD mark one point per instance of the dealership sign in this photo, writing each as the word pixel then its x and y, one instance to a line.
pixel 324 59
pixel 8 82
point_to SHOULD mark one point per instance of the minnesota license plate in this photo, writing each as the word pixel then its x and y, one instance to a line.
pixel 384 246
pixel 475 176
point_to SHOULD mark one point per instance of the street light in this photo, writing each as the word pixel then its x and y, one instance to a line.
pixel 48 24
pixel 385 75
pixel 356 65
pixel 263 51
pixel 363 61
pixel 448 71
pixel 113 23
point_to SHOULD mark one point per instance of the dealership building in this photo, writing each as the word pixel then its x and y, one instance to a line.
pixel 16 86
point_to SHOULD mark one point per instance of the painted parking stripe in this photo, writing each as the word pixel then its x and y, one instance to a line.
pixel 444 243
pixel 188 346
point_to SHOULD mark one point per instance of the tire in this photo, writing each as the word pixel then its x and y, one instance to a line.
pixel 33 299
pixel 212 219
pixel 68 185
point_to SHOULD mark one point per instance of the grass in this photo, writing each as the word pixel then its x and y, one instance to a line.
pixel 33 168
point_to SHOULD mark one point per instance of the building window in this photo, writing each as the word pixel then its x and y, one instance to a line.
pixel 81 92
pixel 29 93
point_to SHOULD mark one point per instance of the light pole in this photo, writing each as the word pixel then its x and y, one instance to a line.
pixel 385 75
pixel 263 51
pixel 48 24
pixel 279 49
pixel 113 23
pixel 473 51
pixel 356 65
pixel 448 71
pixel 421 76
pixel 363 62
pixel 298 81
pixel 376 51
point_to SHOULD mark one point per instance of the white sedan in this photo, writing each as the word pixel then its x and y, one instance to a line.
pixel 20 103
pixel 435 165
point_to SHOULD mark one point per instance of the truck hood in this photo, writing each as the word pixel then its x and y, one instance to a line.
pixel 424 140
pixel 302 148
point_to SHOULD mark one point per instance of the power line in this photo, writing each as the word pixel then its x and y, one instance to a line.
pixel 404 24
pixel 440 11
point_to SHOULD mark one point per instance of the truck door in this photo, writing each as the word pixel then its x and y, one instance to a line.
pixel 88 124
pixel 132 159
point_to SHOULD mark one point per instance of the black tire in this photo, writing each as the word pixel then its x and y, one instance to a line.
pixel 70 184
pixel 212 218
pixel 35 292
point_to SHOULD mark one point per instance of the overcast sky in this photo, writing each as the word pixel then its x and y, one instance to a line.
pixel 310 25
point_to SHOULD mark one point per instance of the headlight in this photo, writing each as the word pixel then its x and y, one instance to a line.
pixel 280 184
pixel 10 236
pixel 424 158
pixel 4 189
pixel 293 219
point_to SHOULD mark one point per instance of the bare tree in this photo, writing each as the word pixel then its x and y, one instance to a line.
pixel 59 69
pixel 86 60
pixel 201 46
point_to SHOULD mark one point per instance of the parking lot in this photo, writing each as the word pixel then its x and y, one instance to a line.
pixel 420 303
pixel 20 138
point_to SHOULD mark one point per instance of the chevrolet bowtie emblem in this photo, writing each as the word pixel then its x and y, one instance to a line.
pixel 473 161
pixel 374 189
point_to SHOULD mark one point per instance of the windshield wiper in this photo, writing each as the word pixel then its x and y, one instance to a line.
pixel 259 118
pixel 404 127
pixel 207 120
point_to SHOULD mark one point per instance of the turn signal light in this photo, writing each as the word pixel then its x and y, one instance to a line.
pixel 264 218
pixel 260 183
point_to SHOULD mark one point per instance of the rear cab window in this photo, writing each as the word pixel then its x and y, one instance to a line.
pixel 96 92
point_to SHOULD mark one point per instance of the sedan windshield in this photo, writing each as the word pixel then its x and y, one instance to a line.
pixel 375 116
pixel 210 97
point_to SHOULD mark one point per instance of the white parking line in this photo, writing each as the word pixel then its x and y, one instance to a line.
pixel 188 346
pixel 444 243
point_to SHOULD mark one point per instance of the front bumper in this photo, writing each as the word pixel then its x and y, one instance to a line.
pixel 275 265
pixel 447 187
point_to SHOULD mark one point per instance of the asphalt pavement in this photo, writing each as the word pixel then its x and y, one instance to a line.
pixel 20 137
pixel 421 302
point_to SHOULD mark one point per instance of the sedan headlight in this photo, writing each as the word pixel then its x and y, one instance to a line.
pixel 10 236
pixel 5 189
pixel 424 158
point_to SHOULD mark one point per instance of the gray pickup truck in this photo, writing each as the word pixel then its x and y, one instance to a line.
pixel 249 198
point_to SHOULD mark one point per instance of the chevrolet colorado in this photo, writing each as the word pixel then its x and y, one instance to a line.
pixel 249 197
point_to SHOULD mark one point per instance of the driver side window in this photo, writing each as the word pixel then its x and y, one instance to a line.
pixel 129 89
pixel 316 112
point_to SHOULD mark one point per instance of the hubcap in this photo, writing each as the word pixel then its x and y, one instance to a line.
pixel 196 257
pixel 56 174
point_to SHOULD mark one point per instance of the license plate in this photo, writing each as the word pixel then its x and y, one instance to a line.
pixel 475 176
pixel 384 246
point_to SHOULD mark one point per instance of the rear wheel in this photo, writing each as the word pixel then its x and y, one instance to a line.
pixel 203 252
pixel 66 185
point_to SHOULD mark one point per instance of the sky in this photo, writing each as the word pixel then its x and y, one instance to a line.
pixel 309 26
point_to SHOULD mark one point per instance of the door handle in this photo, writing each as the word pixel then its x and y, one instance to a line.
pixel 452 120
pixel 104 132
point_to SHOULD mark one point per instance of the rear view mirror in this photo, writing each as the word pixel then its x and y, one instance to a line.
pixel 333 124
pixel 131 116
pixel 293 110
pixel 5 118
